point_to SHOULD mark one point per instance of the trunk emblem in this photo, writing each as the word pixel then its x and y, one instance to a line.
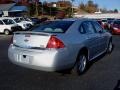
pixel 26 40
pixel 27 35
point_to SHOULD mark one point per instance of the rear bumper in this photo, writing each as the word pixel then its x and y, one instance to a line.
pixel 41 60
pixel 42 68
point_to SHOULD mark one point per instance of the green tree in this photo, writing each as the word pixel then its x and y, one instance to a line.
pixel 32 9
pixel 82 6
pixel 115 11
pixel 89 7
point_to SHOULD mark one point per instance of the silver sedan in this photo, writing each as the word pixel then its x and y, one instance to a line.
pixel 60 44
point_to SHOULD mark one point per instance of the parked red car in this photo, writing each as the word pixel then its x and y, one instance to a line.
pixel 115 27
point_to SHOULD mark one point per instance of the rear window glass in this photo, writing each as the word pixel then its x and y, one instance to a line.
pixel 53 27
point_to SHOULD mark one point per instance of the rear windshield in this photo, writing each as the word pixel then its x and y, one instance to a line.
pixel 53 27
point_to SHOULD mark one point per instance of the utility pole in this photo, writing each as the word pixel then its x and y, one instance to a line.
pixel 42 8
pixel 36 4
pixel 50 11
pixel 72 7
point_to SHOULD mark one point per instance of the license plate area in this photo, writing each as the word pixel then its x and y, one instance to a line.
pixel 23 58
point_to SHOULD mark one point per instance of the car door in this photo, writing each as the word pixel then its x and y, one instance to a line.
pixel 101 35
pixel 92 39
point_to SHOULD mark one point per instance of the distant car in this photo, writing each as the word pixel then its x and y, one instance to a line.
pixel 109 21
pixel 26 21
pixel 105 23
pixel 60 44
pixel 7 26
pixel 22 24
pixel 36 20
pixel 115 27
pixel 100 22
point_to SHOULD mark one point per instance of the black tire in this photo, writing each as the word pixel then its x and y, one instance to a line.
pixel 109 47
pixel 81 65
pixel 6 32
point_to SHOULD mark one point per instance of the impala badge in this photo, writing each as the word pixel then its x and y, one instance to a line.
pixel 26 40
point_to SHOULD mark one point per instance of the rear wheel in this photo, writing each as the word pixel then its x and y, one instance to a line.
pixel 110 47
pixel 6 32
pixel 81 64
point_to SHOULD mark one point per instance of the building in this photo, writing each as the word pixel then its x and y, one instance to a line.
pixel 26 2
pixel 5 8
pixel 13 10
pixel 23 2
pixel 60 4
pixel 6 1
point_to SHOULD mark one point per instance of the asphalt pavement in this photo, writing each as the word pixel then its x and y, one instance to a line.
pixel 103 74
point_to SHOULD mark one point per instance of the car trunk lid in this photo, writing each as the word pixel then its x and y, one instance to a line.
pixel 31 39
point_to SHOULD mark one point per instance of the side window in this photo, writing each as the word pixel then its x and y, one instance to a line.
pixel 1 23
pixel 82 30
pixel 97 27
pixel 88 27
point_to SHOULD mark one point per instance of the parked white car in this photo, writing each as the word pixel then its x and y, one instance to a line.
pixel 24 25
pixel 7 26
pixel 26 21
pixel 16 20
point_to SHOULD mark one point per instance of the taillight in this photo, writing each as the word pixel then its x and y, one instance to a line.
pixel 55 43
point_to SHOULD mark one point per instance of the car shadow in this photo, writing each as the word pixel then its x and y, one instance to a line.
pixel 89 64
pixel 98 58
pixel 117 87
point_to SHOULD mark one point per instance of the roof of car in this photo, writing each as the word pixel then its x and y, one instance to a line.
pixel 7 17
pixel 73 19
